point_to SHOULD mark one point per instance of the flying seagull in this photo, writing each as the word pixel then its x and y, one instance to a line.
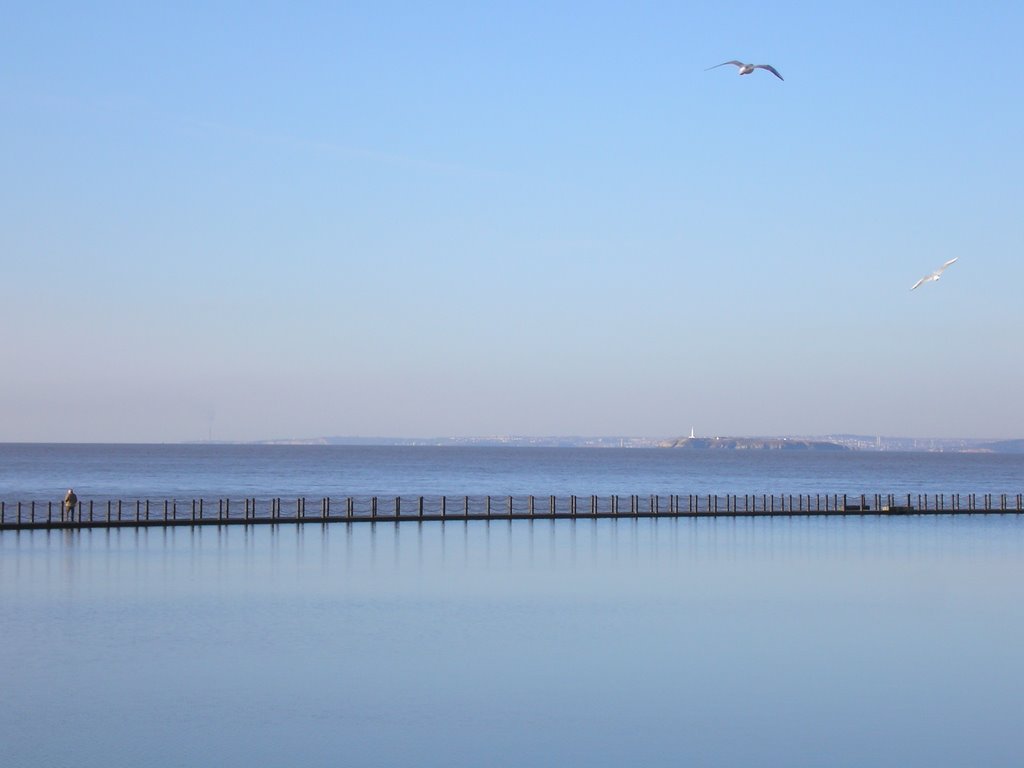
pixel 934 275
pixel 746 69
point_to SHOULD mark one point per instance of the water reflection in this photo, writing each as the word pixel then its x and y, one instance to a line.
pixel 501 544
pixel 528 642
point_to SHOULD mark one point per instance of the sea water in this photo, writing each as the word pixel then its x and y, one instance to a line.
pixel 44 472
pixel 769 641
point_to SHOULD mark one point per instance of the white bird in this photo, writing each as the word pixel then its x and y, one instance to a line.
pixel 746 69
pixel 934 275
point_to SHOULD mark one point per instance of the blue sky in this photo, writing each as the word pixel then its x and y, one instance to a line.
pixel 263 220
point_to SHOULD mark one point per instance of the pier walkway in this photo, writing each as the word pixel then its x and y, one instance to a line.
pixel 118 513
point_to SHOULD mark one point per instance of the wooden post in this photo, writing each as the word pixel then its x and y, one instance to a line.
pixel 118 510
pixel 373 506
pixel 421 506
pixel 488 506
pixel 137 510
pixel 398 506
pixel 510 506
pixel 444 506
pixel 465 506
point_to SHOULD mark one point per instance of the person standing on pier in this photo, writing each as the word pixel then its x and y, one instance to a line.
pixel 70 502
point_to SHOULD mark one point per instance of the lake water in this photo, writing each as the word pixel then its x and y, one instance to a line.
pixel 855 641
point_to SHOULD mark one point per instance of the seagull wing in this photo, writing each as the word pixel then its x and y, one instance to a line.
pixel 771 69
pixel 733 62
pixel 940 269
pixel 919 283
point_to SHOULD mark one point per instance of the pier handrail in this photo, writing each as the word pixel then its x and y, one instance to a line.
pixel 112 513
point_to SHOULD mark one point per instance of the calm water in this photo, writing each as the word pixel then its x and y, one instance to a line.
pixel 805 641
pixel 861 641
pixel 44 472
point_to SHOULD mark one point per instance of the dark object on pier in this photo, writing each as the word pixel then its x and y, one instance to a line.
pixel 899 509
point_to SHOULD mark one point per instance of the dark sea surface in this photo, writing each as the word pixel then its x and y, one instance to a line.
pixel 788 641
pixel 44 472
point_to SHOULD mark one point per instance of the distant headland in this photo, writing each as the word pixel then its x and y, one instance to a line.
pixel 837 442
pixel 755 444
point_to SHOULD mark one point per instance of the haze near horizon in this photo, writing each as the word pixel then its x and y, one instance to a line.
pixel 246 223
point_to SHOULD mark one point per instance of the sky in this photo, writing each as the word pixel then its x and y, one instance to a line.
pixel 249 221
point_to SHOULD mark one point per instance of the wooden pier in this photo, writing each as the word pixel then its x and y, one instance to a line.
pixel 137 513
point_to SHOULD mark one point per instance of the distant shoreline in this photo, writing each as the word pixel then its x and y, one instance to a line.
pixel 843 442
pixel 831 443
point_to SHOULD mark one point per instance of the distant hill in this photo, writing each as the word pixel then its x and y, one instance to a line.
pixel 830 442
pixel 753 444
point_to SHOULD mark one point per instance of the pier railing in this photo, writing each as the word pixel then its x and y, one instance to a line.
pixel 111 513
